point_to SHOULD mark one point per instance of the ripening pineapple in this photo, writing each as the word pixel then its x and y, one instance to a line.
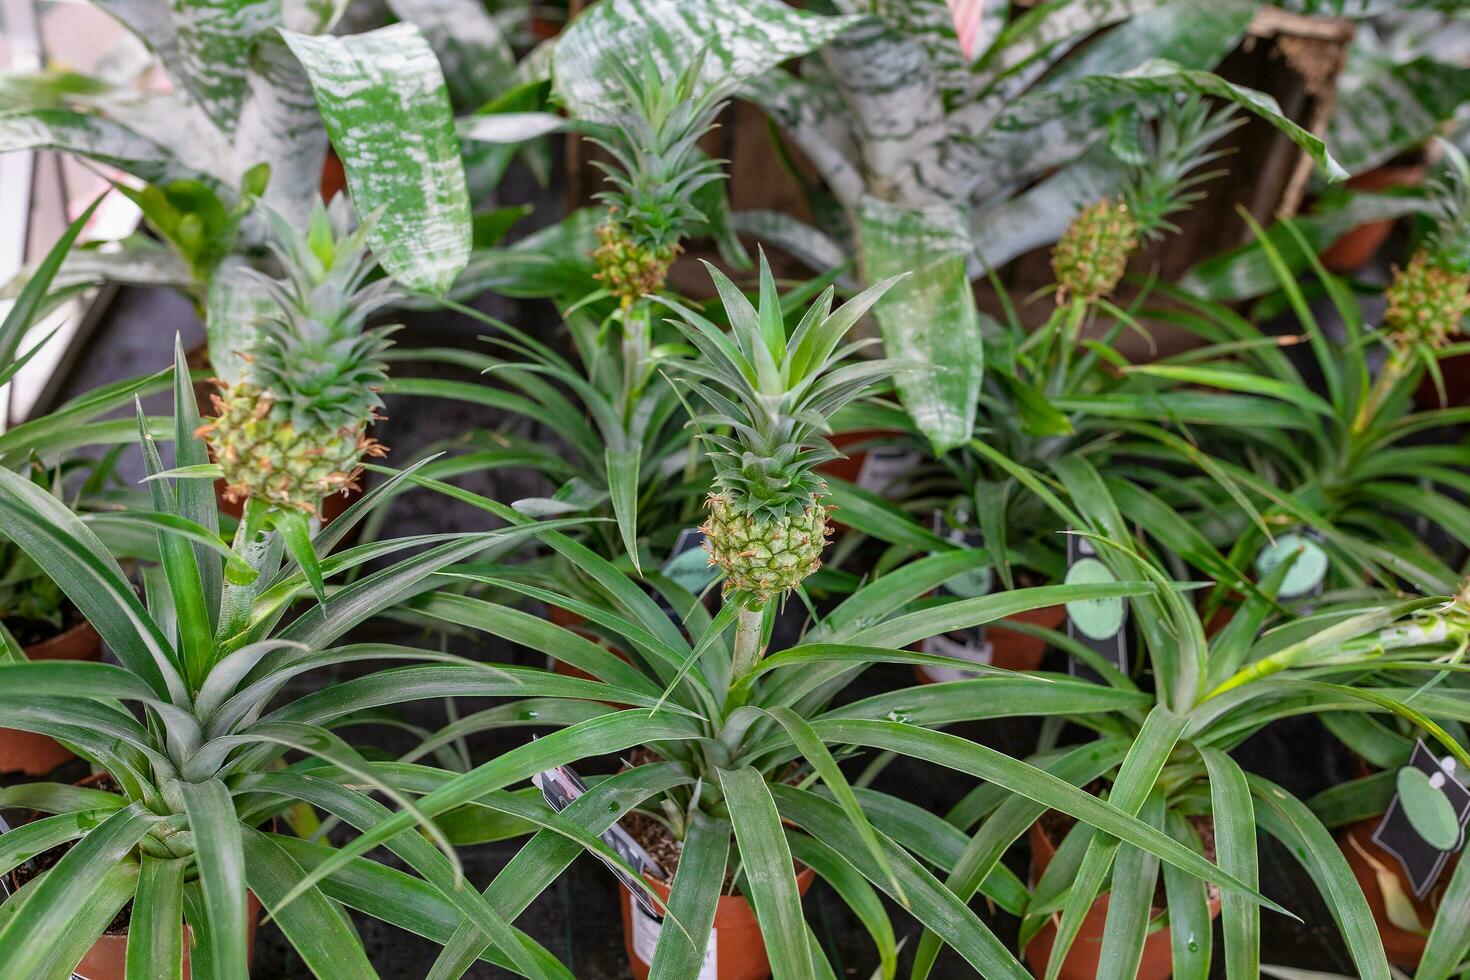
pixel 659 168
pixel 1428 298
pixel 293 428
pixel 1092 254
pixel 768 397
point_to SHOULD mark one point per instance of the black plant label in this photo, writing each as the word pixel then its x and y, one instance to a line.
pixel 1424 825
pixel 1099 624
pixel 560 786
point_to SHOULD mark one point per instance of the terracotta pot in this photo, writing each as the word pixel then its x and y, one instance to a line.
pixel 1355 248
pixel 1404 947
pixel 334 177
pixel 1083 959
pixel 107 959
pixel 1009 649
pixel 740 950
pixel 570 620
pixel 27 752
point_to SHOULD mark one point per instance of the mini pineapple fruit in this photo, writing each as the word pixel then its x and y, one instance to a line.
pixel 293 428
pixel 1428 298
pixel 1092 254
pixel 768 396
pixel 658 169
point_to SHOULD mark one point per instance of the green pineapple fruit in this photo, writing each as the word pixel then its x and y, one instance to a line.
pixel 292 430
pixel 1092 254
pixel 768 396
pixel 658 169
pixel 1428 298
pixel 1426 301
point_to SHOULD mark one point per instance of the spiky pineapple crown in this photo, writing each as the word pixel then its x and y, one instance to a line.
pixel 315 356
pixel 1429 298
pixel 292 429
pixel 1164 160
pixel 769 395
pixel 658 168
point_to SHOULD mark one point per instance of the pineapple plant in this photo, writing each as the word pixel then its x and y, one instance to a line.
pixel 292 430
pixel 658 169
pixel 1092 254
pixel 767 397
pixel 1429 297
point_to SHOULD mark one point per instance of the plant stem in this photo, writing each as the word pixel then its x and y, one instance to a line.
pixel 747 642
pixel 1388 377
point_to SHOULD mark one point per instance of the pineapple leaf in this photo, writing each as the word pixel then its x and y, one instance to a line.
pixel 295 529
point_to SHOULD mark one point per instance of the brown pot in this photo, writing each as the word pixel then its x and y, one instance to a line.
pixel 1355 248
pixel 571 621
pixel 27 752
pixel 108 957
pixel 1009 649
pixel 740 950
pixel 1404 947
pixel 1084 958
pixel 334 177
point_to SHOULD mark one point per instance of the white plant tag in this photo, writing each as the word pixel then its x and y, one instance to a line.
pixel 560 786
pixel 646 931
pixel 945 645
pixel 886 467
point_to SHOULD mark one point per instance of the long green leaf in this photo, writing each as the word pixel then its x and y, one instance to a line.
pixel 1235 849
pixel 220 860
pixel 933 905
pixel 1018 777
pixel 1136 781
pixel 156 933
pixel 1135 876
pixel 766 860
pixel 28 306
pixel 26 940
pixel 736 43
pixel 694 897
pixel 1288 820
pixel 315 926
pixel 71 555
pixel 929 321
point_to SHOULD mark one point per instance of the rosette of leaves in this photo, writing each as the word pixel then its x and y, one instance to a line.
pixel 747 774
pixel 1092 254
pixel 933 153
pixel 656 173
pixel 1170 763
pixel 1358 465
pixel 1426 648
pixel 192 725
